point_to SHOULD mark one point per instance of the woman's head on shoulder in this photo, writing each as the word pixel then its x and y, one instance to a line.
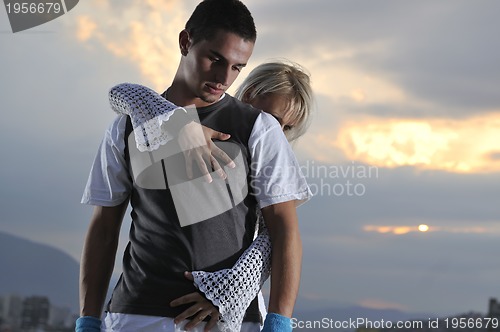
pixel 281 88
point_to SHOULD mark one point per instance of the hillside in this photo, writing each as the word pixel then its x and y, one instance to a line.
pixel 30 268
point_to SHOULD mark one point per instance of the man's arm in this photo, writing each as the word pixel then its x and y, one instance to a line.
pixel 98 257
pixel 282 223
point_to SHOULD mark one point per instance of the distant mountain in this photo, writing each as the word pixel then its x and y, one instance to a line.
pixel 29 268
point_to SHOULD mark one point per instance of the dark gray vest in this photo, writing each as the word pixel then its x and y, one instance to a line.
pixel 181 224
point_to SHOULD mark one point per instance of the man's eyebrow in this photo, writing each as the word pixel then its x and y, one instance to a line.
pixel 220 56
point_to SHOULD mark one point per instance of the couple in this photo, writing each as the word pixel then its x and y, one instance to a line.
pixel 154 293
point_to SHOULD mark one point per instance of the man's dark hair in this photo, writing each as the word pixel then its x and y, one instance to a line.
pixel 227 15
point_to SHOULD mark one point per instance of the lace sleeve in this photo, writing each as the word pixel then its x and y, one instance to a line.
pixel 147 110
pixel 232 290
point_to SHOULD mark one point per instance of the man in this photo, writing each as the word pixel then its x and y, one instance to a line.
pixel 167 237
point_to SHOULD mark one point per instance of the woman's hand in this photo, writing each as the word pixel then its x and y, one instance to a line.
pixel 196 143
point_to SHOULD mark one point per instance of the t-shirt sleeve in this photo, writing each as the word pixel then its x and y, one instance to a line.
pixel 276 176
pixel 109 182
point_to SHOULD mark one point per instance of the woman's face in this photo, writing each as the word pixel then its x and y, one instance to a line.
pixel 278 106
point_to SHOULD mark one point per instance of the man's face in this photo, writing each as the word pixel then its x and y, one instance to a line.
pixel 211 66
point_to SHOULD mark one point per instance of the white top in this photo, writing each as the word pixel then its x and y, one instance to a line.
pixel 275 171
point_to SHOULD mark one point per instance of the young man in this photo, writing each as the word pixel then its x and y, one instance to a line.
pixel 172 231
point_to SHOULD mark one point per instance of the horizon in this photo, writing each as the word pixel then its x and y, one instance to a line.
pixel 302 303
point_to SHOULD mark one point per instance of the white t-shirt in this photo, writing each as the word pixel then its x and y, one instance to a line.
pixel 275 171
pixel 276 178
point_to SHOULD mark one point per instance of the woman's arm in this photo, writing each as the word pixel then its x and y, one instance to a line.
pixel 148 111
pixel 156 121
pixel 232 290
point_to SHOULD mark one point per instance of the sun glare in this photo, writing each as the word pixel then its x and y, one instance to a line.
pixel 423 228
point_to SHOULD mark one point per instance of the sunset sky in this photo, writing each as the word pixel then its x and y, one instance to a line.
pixel 406 132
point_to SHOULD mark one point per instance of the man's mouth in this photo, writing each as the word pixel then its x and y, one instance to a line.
pixel 212 89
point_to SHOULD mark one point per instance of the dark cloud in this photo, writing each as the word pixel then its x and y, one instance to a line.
pixel 54 113
pixel 422 272
pixel 442 53
pixel 346 107
pixel 401 196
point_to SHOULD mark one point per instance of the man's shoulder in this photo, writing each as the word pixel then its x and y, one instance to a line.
pixel 239 106
pixel 234 117
pixel 116 130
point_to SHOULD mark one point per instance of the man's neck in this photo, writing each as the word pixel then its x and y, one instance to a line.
pixel 177 95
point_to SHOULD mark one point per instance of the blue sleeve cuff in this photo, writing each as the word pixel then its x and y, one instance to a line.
pixel 277 323
pixel 88 324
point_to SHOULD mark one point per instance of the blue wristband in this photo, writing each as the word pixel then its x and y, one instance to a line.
pixel 88 324
pixel 277 323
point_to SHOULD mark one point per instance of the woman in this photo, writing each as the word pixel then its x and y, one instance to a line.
pixel 282 89
pixel 279 88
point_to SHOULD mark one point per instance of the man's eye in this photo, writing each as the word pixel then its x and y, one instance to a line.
pixel 213 59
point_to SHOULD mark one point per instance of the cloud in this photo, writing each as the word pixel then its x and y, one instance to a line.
pixel 412 272
pixel 444 62
pixel 397 230
pixel 143 33
pixel 447 62
pixel 463 145
pixel 392 90
pixel 85 28
pixel 456 145
pixel 381 304
pixel 416 228
pixel 400 196
pixel 356 63
pixel 54 94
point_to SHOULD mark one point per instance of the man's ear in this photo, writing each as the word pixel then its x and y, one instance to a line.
pixel 184 42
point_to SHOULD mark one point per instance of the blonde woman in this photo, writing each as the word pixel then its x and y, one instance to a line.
pixel 281 88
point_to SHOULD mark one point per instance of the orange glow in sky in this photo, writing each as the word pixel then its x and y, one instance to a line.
pixel 423 228
pixel 147 39
pixel 463 146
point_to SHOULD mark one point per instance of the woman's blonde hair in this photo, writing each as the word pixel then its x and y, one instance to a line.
pixel 284 78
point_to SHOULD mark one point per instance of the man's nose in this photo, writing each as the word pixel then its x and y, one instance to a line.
pixel 223 75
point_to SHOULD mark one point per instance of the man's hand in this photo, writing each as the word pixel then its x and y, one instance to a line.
pixel 201 308
pixel 196 143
